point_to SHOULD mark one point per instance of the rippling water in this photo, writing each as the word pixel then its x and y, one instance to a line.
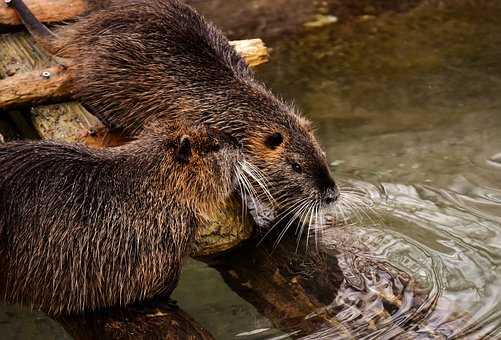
pixel 409 108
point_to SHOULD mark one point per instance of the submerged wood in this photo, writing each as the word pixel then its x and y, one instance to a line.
pixel 151 320
pixel 289 285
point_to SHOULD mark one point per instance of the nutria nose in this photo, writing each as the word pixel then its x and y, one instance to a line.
pixel 331 195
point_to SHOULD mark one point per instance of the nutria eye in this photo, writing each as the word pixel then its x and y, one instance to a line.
pixel 296 167
pixel 274 140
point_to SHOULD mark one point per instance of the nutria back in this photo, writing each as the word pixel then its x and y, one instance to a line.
pixel 82 229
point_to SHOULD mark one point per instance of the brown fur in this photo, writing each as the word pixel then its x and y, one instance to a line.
pixel 141 61
pixel 82 229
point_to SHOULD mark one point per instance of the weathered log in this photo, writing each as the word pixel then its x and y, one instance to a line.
pixel 33 86
pixel 303 291
pixel 45 10
pixel 150 320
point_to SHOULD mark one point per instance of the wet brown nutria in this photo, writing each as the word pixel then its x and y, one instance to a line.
pixel 138 61
pixel 83 228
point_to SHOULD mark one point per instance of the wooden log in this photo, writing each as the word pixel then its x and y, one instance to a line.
pixel 48 84
pixel 302 290
pixel 290 286
pixel 32 87
pixel 45 10
pixel 150 320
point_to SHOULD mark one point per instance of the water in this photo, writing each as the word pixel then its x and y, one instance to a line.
pixel 408 107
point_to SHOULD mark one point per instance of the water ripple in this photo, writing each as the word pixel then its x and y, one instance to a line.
pixel 429 269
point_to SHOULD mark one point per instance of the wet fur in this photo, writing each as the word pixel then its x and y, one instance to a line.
pixel 82 229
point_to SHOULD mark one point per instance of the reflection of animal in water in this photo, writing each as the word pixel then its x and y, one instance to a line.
pixel 138 61
pixel 83 229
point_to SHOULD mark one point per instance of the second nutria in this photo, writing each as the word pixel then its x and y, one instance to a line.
pixel 140 61
pixel 82 229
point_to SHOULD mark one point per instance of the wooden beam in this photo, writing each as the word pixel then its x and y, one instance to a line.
pixel 45 10
pixel 32 87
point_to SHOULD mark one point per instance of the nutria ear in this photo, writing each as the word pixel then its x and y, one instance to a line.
pixel 274 140
pixel 183 153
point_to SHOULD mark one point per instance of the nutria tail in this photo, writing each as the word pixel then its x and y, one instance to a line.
pixel 39 31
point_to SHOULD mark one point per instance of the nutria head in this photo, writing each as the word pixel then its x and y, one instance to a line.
pixel 202 168
pixel 281 144
pixel 294 164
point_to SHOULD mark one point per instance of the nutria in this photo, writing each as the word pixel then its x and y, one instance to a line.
pixel 138 61
pixel 83 228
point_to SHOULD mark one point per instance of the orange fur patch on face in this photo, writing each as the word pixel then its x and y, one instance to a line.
pixel 257 145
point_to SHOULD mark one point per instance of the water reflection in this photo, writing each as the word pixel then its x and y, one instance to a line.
pixel 435 258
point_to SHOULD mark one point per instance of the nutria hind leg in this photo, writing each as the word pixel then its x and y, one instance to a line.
pixel 39 31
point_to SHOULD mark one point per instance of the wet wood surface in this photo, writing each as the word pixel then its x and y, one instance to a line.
pixel 288 284
pixel 150 320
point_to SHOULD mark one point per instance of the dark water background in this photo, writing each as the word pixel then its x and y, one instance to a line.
pixel 408 106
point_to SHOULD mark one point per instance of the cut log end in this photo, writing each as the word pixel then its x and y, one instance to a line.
pixel 254 51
